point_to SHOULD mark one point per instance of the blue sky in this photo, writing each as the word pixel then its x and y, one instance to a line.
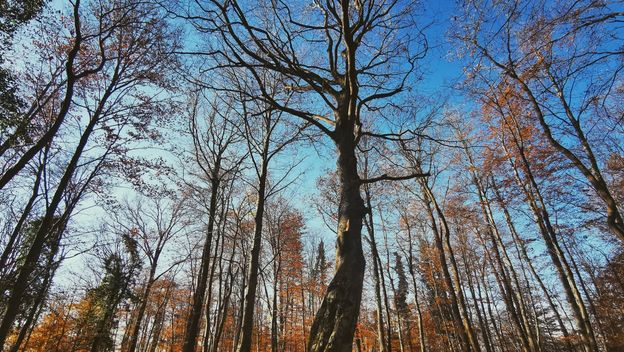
pixel 439 75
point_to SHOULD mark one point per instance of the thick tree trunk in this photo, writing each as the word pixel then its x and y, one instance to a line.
pixel 334 325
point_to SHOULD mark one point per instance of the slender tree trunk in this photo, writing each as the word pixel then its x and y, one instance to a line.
pixel 512 296
pixel 274 337
pixel 240 307
pixel 482 324
pixel 192 326
pixel 419 320
pixel 136 327
pixel 493 318
pixel 457 318
pixel 454 283
pixel 381 333
pixel 48 136
pixel 33 315
pixel 254 262
pixel 15 234
pixel 228 284
pixel 47 223
pixel 524 254
pixel 615 221
pixel 486 323
pixel 586 292
pixel 542 218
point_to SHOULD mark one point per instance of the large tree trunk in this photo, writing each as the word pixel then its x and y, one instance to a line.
pixel 335 321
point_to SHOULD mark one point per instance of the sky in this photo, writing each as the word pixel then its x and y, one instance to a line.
pixel 439 75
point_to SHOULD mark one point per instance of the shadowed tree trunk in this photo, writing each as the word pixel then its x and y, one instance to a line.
pixel 210 147
pixel 411 268
pixel 254 262
pixel 381 332
pixel 330 73
pixel 334 325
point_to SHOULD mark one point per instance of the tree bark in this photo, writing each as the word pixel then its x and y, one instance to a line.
pixel 443 245
pixel 542 219
pixel 334 325
pixel 192 327
pixel 381 333
pixel 411 264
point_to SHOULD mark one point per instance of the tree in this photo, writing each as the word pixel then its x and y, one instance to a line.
pixel 128 41
pixel 213 137
pixel 400 297
pixel 562 45
pixel 152 230
pixel 13 15
pixel 346 82
pixel 96 321
pixel 266 137
pixel 285 228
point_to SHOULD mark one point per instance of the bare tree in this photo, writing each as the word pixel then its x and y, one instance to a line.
pixel 544 50
pixel 371 48
pixel 132 41
pixel 152 228
pixel 213 137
